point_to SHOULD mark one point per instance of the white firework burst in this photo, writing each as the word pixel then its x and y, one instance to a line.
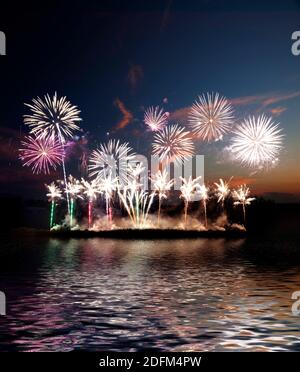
pixel 257 142
pixel 155 118
pixel 211 117
pixel 52 116
pixel 74 188
pixel 222 190
pixel 111 158
pixel 54 192
pixel 173 143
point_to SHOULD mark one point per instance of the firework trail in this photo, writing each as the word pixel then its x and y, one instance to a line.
pixel 55 117
pixel 107 185
pixel 155 118
pixel 111 159
pixel 161 186
pixel 41 153
pixel 91 190
pixel 136 202
pixel 222 191
pixel 173 144
pixel 188 190
pixel 203 192
pixel 73 189
pixel 53 195
pixel 211 117
pixel 241 197
pixel 257 142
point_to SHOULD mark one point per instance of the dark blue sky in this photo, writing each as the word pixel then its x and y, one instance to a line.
pixel 114 60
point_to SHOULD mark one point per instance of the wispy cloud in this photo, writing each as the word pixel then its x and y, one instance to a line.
pixel 127 115
pixel 135 75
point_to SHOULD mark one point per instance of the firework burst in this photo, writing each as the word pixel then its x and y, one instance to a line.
pixel 111 159
pixel 53 195
pixel 137 202
pixel 107 186
pixel 155 118
pixel 241 197
pixel 188 190
pixel 203 192
pixel 222 191
pixel 41 154
pixel 54 192
pixel 257 142
pixel 52 116
pixel 161 185
pixel 73 189
pixel 211 117
pixel 173 143
pixel 91 189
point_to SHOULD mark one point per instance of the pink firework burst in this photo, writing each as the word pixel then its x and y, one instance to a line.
pixel 155 118
pixel 41 153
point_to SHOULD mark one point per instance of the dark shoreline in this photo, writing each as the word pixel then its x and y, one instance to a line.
pixel 146 234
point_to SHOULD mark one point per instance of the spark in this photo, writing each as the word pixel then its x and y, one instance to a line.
pixel 41 153
pixel 211 117
pixel 52 116
pixel 188 190
pixel 173 143
pixel 111 158
pixel 241 197
pixel 155 118
pixel 257 142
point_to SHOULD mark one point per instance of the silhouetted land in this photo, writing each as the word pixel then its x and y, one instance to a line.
pixel 263 218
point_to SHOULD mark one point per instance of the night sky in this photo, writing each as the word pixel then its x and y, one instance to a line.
pixel 113 59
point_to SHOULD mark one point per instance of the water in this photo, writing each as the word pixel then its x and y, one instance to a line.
pixel 102 294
